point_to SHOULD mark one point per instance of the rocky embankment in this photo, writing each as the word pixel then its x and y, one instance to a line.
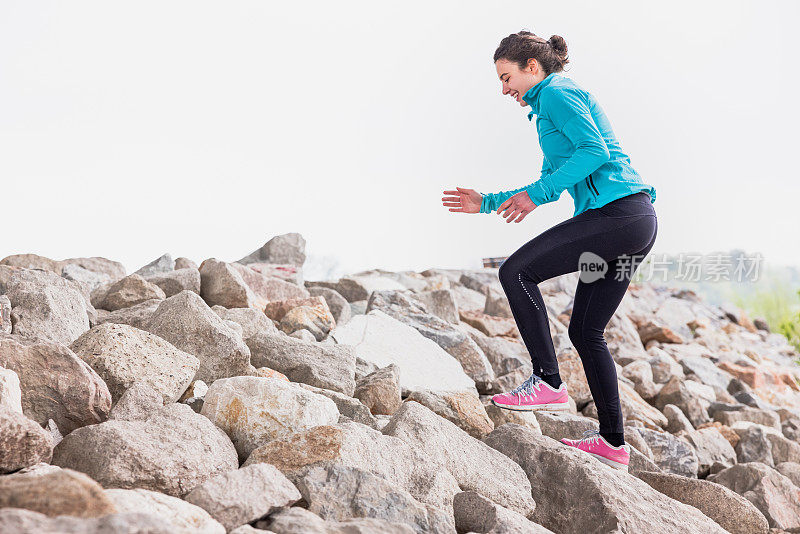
pixel 237 397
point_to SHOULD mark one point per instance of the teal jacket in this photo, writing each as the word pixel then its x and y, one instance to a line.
pixel 581 152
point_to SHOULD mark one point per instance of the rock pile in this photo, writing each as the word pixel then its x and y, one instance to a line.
pixel 237 397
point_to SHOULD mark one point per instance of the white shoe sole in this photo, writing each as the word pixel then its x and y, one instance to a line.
pixel 612 463
pixel 554 407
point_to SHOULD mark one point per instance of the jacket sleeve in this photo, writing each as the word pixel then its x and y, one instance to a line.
pixel 570 114
pixel 492 201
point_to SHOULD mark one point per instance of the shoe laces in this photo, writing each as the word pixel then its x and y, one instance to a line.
pixel 531 383
pixel 590 436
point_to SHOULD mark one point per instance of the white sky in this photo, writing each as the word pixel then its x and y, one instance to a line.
pixel 202 129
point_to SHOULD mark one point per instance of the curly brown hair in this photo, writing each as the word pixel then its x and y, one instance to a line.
pixel 519 47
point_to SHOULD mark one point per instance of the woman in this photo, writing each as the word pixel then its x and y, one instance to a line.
pixel 612 230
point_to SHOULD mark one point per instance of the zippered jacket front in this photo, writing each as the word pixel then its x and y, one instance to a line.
pixel 581 153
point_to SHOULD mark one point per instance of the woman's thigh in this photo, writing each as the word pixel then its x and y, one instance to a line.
pixel 558 250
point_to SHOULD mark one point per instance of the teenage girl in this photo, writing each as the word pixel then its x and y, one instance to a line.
pixel 612 230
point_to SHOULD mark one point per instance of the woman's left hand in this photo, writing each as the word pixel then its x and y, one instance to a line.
pixel 517 207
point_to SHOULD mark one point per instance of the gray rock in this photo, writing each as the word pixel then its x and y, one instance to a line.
pixel 711 448
pixel 339 492
pixel 476 513
pixel 130 291
pixel 162 264
pixel 731 511
pixel 138 403
pixel 223 285
pixel 27 522
pixel 670 453
pixel 676 420
pixel 183 516
pixel 790 470
pixel 242 496
pixel 123 355
pixel 620 502
pixel 254 410
pixel 188 323
pixel 10 394
pixel 771 492
pixel 285 248
pixel 348 407
pixel 135 316
pixel 22 442
pixel 296 520
pixel 337 304
pixel 47 306
pixel 55 383
pixel 173 452
pixel 474 465
pixel 380 390
pixel 753 446
pixel 252 321
pixel 329 367
pixel 173 282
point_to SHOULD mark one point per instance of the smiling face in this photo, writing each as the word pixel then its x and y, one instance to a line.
pixel 516 81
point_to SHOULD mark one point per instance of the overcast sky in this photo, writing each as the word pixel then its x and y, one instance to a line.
pixel 202 129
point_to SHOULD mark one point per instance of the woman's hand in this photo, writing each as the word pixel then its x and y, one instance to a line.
pixel 517 207
pixel 466 201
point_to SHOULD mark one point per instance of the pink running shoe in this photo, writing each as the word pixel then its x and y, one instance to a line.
pixel 596 445
pixel 534 394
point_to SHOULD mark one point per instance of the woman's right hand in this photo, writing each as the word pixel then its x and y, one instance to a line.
pixel 464 201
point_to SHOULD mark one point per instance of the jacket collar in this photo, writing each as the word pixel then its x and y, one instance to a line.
pixel 531 96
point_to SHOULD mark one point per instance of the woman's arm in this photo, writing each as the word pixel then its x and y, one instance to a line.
pixel 570 114
pixel 492 201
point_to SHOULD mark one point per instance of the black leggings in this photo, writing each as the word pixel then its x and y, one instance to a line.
pixel 622 233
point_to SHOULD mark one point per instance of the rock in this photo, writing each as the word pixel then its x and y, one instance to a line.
pixel 27 522
pixel 753 446
pixel 380 390
pixel 285 248
pixel 10 394
pixel 641 374
pixel 476 513
pixel 135 316
pixel 501 416
pixel 254 410
pixel 55 383
pixel 380 339
pixel 670 453
pixel 689 396
pixel 352 409
pixel 324 366
pixel 753 415
pixel 252 321
pixel 186 322
pixel 297 520
pixel 183 516
pixel 22 442
pixel 355 445
pixel 783 449
pixel 771 492
pixel 162 264
pixel 5 311
pixel 173 282
pixel 337 304
pixel 172 452
pixel 711 447
pixel 664 366
pixel 242 496
pixel 474 465
pixel 463 408
pixel 340 492
pixel 790 470
pixel 54 493
pixel 123 355
pixel 221 284
pixel 676 420
pixel 130 291
pixel 611 491
pixel 562 425
pixel 732 512
pixel 138 403
pixel 47 306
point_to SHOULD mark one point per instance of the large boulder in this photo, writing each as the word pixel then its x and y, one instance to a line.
pixel 55 492
pixel 771 492
pixel 474 465
pixel 383 340
pixel 22 442
pixel 55 383
pixel 324 366
pixel 733 512
pixel 254 410
pixel 235 498
pixel 123 355
pixel 47 306
pixel 190 325
pixel 183 516
pixel 173 451
pixel 619 501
